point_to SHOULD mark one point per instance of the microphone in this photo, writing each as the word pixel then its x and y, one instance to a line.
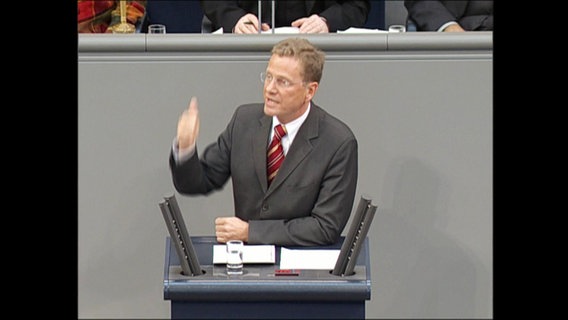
pixel 273 15
pixel 259 16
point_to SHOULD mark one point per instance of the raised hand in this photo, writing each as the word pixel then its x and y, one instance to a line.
pixel 188 125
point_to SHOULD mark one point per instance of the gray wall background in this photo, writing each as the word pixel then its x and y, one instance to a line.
pixel 423 119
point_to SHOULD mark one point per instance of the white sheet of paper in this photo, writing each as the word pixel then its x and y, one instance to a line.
pixel 283 30
pixel 322 259
pixel 361 30
pixel 279 30
pixel 292 30
pixel 251 254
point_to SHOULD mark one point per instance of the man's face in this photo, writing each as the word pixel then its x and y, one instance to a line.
pixel 285 94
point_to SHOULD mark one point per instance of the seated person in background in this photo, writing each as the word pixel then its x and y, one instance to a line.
pixel 307 199
pixel 179 16
pixel 450 16
pixel 309 16
pixel 98 16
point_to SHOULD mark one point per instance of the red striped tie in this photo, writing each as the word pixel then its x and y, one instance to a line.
pixel 275 154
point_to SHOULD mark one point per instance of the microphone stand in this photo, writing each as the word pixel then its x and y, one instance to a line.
pixel 273 20
pixel 259 16
pixel 273 17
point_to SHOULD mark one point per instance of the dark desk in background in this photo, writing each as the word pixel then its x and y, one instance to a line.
pixel 260 294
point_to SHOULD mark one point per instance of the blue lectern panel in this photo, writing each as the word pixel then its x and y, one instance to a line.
pixel 258 293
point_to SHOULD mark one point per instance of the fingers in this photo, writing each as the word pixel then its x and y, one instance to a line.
pixel 230 228
pixel 247 24
pixel 192 104
pixel 454 28
pixel 193 113
pixel 221 232
pixel 298 23
pixel 188 125
pixel 311 24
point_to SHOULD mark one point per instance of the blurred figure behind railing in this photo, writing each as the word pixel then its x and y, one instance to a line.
pixel 450 16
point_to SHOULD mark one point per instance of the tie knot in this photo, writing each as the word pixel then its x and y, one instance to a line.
pixel 280 131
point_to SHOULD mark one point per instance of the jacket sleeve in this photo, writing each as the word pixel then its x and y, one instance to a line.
pixel 428 15
pixel 222 13
pixel 342 15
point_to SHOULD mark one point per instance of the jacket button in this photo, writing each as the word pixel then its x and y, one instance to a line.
pixel 264 207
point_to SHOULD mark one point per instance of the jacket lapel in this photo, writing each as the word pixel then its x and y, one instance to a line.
pixel 260 143
pixel 299 149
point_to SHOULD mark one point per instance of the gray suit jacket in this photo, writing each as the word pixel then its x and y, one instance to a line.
pixel 311 198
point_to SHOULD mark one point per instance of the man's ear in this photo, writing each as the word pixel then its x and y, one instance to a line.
pixel 312 87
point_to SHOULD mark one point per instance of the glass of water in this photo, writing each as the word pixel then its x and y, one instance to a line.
pixel 157 28
pixel 397 28
pixel 235 257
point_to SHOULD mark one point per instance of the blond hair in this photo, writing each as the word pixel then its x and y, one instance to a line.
pixel 310 57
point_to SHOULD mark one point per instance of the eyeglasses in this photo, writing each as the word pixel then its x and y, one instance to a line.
pixel 280 82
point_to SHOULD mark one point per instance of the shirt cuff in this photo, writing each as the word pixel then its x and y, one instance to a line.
pixel 181 155
pixel 445 25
